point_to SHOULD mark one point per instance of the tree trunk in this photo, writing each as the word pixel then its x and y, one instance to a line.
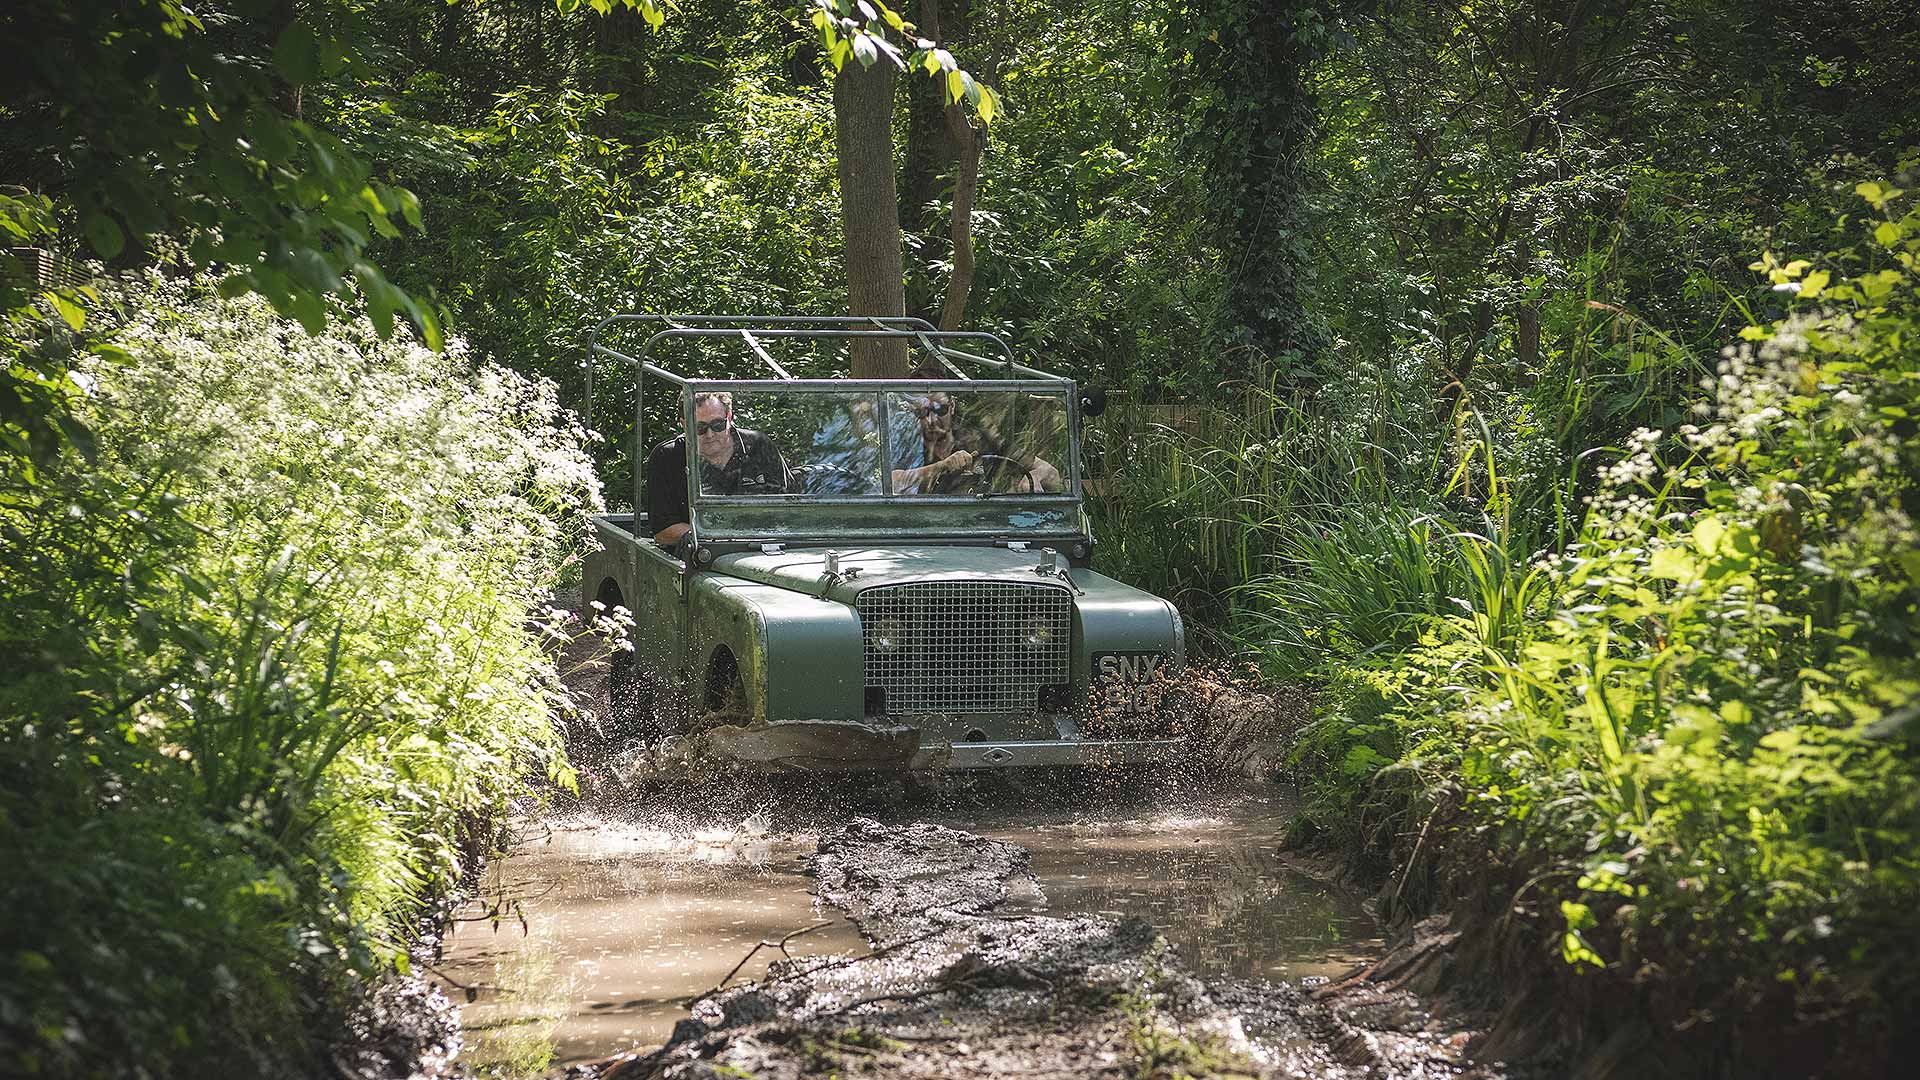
pixel 870 210
pixel 964 144
pixel 966 183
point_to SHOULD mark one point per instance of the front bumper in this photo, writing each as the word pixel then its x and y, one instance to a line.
pixel 1010 755
pixel 844 746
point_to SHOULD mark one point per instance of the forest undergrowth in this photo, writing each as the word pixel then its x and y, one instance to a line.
pixel 1647 726
pixel 1444 388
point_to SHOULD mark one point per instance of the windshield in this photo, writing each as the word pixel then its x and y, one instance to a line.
pixel 941 439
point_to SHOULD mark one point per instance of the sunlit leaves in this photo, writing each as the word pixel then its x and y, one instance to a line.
pixel 280 585
pixel 653 11
pixel 860 31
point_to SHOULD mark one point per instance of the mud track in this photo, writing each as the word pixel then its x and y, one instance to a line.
pixel 958 982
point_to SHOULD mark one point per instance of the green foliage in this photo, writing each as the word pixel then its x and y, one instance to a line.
pixel 158 120
pixel 1699 718
pixel 267 661
pixel 1375 579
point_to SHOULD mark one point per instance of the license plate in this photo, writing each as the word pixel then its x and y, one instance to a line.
pixel 1129 682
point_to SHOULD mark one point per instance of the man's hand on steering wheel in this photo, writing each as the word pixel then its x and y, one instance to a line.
pixel 990 465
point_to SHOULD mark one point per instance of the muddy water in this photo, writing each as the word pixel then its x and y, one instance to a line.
pixel 626 920
pixel 1209 878
pixel 623 923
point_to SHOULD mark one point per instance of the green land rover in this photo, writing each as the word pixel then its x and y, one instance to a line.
pixel 897 577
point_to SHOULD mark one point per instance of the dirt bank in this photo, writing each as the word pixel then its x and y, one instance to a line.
pixel 959 980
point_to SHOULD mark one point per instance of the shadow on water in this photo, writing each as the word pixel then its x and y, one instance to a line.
pixel 633 906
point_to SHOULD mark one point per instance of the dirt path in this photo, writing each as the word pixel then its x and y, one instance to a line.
pixel 955 985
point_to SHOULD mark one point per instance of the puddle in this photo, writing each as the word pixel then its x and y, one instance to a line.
pixel 1209 879
pixel 625 921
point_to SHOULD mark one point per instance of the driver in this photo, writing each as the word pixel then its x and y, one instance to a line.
pixel 961 456
pixel 948 467
pixel 733 461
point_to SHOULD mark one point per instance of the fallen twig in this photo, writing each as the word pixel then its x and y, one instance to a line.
pixel 780 944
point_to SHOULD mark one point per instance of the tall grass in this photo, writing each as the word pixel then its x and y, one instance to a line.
pixel 1194 501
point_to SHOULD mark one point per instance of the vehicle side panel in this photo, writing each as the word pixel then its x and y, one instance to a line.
pixel 648 581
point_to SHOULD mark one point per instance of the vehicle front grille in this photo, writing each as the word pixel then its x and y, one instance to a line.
pixel 965 646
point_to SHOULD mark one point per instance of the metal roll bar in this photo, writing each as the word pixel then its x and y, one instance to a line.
pixel 752 330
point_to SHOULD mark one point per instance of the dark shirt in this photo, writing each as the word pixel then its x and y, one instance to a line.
pixel 756 468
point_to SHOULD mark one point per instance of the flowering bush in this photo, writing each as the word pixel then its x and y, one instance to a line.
pixel 288 667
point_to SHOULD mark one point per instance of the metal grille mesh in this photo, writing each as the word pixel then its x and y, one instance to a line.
pixel 965 646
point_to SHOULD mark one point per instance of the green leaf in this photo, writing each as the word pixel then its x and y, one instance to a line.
pixel 1707 534
pixel 297 53
pixel 311 311
pixel 956 86
pixel 70 313
pixel 409 206
pixel 1876 193
pixel 379 296
pixel 1814 284
pixel 103 234
pixel 1888 233
pixel 1674 564
pixel 269 135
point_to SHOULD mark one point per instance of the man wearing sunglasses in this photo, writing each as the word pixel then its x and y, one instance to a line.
pixel 947 463
pixel 733 461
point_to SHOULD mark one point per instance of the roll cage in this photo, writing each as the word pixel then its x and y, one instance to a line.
pixel 976 360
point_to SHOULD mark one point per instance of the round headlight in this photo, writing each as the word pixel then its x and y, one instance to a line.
pixel 1081 549
pixel 886 634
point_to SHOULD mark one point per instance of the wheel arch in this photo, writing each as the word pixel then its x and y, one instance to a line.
pixel 722 671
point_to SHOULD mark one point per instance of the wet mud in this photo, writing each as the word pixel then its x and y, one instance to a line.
pixel 956 981
pixel 599 930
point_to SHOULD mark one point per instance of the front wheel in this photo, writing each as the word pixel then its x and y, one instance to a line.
pixel 632 708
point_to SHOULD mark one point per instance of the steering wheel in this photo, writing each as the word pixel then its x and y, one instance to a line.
pixel 1010 466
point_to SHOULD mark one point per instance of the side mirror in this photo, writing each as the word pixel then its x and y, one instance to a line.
pixel 1093 401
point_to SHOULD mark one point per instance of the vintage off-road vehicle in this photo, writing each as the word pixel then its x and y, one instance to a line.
pixel 913 593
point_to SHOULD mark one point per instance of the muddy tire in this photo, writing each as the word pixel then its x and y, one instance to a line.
pixel 726 700
pixel 632 703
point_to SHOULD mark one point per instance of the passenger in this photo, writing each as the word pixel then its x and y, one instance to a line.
pixel 733 461
pixel 846 448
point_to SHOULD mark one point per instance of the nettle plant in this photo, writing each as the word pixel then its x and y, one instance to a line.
pixel 1724 702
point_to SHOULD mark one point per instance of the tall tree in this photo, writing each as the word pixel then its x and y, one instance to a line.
pixel 863 138
pixel 870 210
pixel 1251 59
pixel 966 142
